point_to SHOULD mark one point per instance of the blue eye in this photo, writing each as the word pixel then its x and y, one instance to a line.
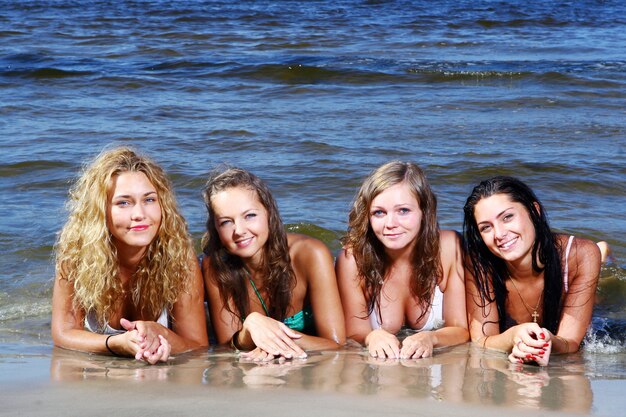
pixel 122 203
pixel 224 222
pixel 250 215
pixel 378 213
pixel 404 210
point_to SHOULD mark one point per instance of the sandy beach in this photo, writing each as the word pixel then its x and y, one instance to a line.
pixel 460 381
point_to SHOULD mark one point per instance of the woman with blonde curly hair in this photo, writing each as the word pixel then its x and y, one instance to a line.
pixel 271 293
pixel 127 279
pixel 397 269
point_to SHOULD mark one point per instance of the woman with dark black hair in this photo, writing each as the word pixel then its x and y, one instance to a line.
pixel 530 292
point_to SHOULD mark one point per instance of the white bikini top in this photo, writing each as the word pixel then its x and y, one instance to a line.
pixel 91 324
pixel 435 316
pixel 566 267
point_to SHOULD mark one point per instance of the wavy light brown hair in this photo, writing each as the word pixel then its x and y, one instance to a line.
pixel 229 271
pixel 369 253
pixel 87 257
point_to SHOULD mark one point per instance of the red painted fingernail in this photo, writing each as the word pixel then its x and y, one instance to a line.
pixel 534 358
pixel 541 335
pixel 546 344
pixel 528 355
pixel 541 352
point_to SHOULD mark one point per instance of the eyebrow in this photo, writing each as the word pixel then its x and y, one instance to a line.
pixel 499 214
pixel 395 205
pixel 243 213
pixel 130 196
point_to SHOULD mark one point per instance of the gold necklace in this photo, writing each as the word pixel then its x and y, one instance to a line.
pixel 534 314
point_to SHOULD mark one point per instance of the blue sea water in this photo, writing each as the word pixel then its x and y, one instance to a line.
pixel 311 96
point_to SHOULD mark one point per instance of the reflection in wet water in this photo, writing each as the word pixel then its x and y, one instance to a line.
pixel 464 374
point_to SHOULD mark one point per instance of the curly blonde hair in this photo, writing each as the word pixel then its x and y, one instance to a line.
pixel 87 258
pixel 369 253
pixel 230 273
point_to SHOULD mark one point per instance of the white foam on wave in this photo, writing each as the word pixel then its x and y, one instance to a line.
pixel 25 309
pixel 602 343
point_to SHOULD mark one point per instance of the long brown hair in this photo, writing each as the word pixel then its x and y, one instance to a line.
pixel 369 253
pixel 230 274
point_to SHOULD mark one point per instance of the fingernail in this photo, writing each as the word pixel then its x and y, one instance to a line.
pixel 541 352
pixel 543 336
pixel 528 355
pixel 546 344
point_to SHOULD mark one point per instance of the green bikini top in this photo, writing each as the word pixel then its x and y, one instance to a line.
pixel 302 321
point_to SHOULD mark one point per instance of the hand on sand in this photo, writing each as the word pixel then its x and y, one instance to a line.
pixel 531 343
pixel 149 340
pixel 418 345
pixel 382 344
pixel 273 337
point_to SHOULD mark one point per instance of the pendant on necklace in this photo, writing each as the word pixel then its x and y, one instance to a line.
pixel 535 316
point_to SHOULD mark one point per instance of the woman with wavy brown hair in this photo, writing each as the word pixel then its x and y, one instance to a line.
pixel 127 280
pixel 398 270
pixel 271 293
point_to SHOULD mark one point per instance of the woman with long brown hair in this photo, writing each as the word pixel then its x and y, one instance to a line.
pixel 271 293
pixel 398 270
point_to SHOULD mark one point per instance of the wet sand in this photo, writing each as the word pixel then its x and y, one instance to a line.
pixel 460 381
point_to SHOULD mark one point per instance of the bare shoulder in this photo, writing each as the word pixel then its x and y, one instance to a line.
pixel 450 241
pixel 345 256
pixel 582 250
pixel 450 254
pixel 303 248
pixel 450 248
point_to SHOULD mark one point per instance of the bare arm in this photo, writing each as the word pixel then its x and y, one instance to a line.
pixel 314 262
pixel 188 317
pixel 454 311
pixel 484 321
pixel 271 335
pixel 584 267
pixel 68 327
pixel 225 323
pixel 189 325
pixel 352 298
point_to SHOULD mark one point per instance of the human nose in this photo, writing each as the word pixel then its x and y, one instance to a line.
pixel 239 229
pixel 391 221
pixel 138 212
pixel 499 231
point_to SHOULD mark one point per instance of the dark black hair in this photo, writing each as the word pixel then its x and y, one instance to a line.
pixel 490 272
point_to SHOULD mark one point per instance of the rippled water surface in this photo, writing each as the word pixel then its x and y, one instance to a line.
pixel 311 96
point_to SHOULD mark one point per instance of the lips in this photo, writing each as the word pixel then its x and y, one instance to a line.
pixel 393 235
pixel 139 228
pixel 507 245
pixel 244 242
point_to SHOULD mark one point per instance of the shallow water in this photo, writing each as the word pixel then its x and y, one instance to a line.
pixel 463 377
pixel 311 96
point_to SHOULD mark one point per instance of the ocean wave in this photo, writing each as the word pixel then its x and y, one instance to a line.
pixel 44 73
pixel 24 310
pixel 606 336
pixel 28 167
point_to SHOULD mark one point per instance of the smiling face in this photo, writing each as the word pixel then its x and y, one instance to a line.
pixel 133 212
pixel 242 222
pixel 505 227
pixel 395 217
